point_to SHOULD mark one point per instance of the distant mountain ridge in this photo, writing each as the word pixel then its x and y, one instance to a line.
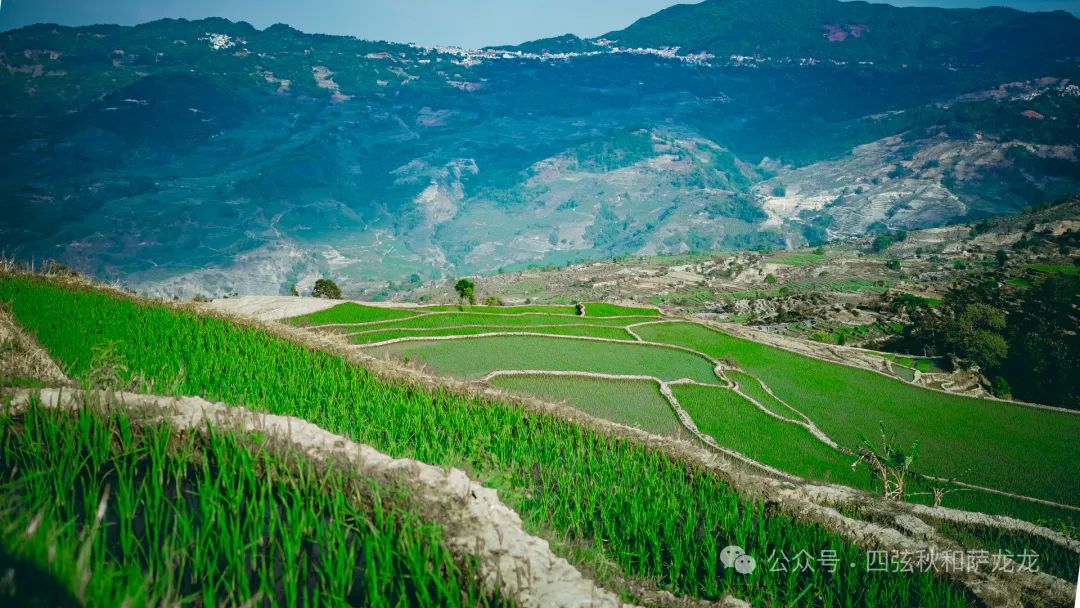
pixel 882 34
pixel 211 157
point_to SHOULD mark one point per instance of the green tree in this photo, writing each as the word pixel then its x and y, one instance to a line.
pixel 325 288
pixel 466 290
pixel 881 243
pixel 1001 257
pixel 1044 343
pixel 976 334
pixel 770 279
pixel 1001 387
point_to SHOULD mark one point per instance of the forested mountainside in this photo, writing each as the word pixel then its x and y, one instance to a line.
pixel 211 157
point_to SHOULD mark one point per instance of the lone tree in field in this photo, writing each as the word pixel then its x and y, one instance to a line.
pixel 325 288
pixel 466 290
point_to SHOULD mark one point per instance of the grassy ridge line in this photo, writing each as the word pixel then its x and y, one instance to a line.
pixel 132 534
pixel 837 399
pixel 587 484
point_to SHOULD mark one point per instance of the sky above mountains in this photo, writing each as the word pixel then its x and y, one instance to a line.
pixel 470 23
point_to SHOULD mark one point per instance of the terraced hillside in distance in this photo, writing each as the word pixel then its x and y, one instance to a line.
pixel 601 494
pixel 784 410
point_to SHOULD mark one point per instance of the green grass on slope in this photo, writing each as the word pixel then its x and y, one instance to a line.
pixel 635 403
pixel 643 511
pixel 592 309
pixel 173 532
pixel 474 357
pixel 612 333
pixel 735 423
pixel 350 312
pixel 1018 449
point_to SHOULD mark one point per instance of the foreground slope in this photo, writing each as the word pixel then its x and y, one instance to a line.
pixel 559 476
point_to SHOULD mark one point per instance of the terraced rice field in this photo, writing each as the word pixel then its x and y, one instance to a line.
pixel 977 441
pixel 636 403
pixel 370 336
pixel 476 357
pixel 846 404
pixel 579 487
pixel 592 309
pixel 352 313
pixel 737 424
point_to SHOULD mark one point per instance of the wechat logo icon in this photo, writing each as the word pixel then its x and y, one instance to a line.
pixel 733 556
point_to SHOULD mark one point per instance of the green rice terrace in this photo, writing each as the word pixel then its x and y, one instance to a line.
pixel 745 395
pixel 628 448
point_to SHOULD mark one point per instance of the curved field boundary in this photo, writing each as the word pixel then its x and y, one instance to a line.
pixel 665 389
pixel 481 314
pixel 595 375
pixel 768 391
pixel 806 422
pixel 708 440
pixel 717 365
pixel 512 562
pixel 821 436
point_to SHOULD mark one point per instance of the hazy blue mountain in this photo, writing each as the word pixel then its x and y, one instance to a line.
pixel 187 156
